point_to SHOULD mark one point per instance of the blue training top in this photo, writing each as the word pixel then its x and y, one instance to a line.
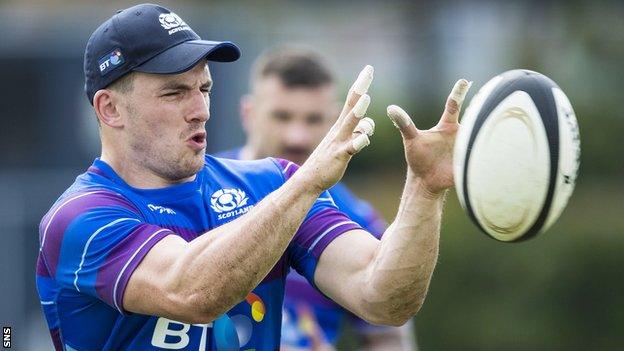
pixel 98 231
pixel 302 298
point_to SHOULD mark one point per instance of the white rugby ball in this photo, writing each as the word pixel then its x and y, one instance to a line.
pixel 516 155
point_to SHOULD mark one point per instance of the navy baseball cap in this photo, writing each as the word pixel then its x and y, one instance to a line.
pixel 146 38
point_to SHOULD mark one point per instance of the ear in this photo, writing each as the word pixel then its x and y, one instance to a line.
pixel 247 111
pixel 106 105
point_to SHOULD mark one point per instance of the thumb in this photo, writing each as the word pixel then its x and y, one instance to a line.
pixel 402 121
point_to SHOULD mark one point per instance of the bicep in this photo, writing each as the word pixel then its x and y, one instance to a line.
pixel 150 288
pixel 341 272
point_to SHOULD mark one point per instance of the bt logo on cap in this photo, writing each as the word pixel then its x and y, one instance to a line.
pixel 110 61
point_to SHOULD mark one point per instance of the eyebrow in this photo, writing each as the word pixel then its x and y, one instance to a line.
pixel 173 85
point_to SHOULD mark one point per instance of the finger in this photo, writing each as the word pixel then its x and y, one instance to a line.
pixel 358 143
pixel 365 126
pixel 364 80
pixel 454 101
pixel 354 116
pixel 402 121
pixel 359 88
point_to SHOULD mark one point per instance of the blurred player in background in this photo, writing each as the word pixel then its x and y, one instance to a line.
pixel 290 109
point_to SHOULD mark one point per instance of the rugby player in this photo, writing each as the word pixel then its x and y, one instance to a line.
pixel 158 246
pixel 288 112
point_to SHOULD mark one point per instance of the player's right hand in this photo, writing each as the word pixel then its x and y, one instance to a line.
pixel 429 153
pixel 349 135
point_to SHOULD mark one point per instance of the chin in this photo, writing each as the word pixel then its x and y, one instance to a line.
pixel 196 163
pixel 184 167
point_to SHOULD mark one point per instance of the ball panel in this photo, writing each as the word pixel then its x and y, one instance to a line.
pixel 465 129
pixel 509 166
pixel 504 87
pixel 541 93
pixel 569 156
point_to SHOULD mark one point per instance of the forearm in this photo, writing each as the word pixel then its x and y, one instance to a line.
pixel 401 269
pixel 219 268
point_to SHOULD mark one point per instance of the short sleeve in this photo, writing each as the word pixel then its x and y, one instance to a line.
pixel 323 223
pixel 92 241
pixel 372 221
pixel 358 210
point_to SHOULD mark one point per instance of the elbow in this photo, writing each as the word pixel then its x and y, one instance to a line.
pixel 391 318
pixel 191 309
pixel 392 313
pixel 203 313
pixel 206 310
pixel 198 308
pixel 399 319
pixel 184 298
pixel 198 317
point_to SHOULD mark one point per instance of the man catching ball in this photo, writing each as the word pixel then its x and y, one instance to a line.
pixel 158 246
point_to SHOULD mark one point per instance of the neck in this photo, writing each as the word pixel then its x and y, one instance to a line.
pixel 248 153
pixel 136 175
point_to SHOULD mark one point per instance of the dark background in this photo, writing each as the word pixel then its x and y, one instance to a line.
pixel 560 291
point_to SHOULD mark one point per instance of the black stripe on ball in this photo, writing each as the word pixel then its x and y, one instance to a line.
pixel 539 88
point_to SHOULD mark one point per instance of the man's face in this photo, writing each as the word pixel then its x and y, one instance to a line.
pixel 288 122
pixel 165 121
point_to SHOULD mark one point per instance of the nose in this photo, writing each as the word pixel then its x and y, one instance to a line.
pixel 199 107
pixel 297 136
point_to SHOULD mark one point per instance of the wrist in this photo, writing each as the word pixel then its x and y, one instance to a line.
pixel 304 185
pixel 419 186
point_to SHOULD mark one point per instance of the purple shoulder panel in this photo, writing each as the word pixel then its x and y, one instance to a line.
pixel 54 224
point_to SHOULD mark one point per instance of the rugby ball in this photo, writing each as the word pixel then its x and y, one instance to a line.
pixel 516 155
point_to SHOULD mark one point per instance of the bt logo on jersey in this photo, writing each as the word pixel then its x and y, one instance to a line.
pixel 229 333
pixel 172 335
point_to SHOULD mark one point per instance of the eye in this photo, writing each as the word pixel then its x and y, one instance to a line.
pixel 206 91
pixel 281 116
pixel 314 119
pixel 172 93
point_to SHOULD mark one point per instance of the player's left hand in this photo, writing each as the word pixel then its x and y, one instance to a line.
pixel 429 153
pixel 348 136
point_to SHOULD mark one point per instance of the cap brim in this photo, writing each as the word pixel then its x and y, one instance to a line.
pixel 184 56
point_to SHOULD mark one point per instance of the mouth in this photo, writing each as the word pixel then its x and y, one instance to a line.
pixel 197 141
pixel 297 156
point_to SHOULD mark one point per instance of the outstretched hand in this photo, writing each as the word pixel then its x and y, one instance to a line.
pixel 349 135
pixel 429 153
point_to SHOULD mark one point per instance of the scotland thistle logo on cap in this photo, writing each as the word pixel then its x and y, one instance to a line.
pixel 172 22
